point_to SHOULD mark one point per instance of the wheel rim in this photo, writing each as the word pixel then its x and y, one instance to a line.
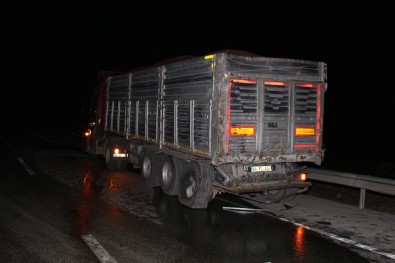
pixel 191 185
pixel 147 167
pixel 167 174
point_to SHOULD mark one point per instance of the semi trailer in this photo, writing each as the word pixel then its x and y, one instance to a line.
pixel 227 122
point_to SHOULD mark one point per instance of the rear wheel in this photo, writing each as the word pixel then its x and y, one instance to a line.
pixel 110 162
pixel 148 169
pixel 195 188
pixel 171 171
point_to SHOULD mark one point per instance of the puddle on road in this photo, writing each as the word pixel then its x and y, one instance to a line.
pixel 128 192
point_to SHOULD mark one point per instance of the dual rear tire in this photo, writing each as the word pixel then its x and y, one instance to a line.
pixel 195 188
pixel 191 182
pixel 172 170
pixel 149 169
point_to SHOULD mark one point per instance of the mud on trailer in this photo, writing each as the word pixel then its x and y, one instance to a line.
pixel 226 122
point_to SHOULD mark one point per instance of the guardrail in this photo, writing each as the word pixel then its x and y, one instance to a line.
pixel 363 182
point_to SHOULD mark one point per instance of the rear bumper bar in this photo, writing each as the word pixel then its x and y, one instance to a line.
pixel 260 187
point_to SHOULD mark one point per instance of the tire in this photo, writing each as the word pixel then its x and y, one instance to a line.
pixel 149 169
pixel 195 188
pixel 171 171
pixel 108 157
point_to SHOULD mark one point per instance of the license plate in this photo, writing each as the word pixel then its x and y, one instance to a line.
pixel 261 168
pixel 120 155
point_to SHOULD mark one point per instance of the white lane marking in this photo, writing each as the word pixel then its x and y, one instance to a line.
pixel 97 249
pixel 330 235
pixel 27 168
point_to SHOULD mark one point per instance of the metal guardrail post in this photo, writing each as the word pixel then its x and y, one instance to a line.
pixel 362 198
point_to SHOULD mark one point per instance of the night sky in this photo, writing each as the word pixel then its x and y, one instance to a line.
pixel 53 53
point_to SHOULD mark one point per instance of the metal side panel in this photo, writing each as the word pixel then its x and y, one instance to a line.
pixel 201 126
pixel 145 85
pixel 144 95
pixel 187 98
pixel 189 80
pixel 118 88
pixel 117 104
pixel 275 67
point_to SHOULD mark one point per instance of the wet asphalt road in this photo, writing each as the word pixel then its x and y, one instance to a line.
pixel 67 195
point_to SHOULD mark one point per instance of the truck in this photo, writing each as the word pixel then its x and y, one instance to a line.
pixel 225 122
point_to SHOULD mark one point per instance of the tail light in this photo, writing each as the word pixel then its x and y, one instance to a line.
pixel 88 133
pixel 275 83
pixel 300 177
pixel 118 152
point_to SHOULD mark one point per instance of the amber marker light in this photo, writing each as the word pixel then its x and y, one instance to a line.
pixel 304 131
pixel 242 130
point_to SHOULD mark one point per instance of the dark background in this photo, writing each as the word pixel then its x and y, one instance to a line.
pixel 52 53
